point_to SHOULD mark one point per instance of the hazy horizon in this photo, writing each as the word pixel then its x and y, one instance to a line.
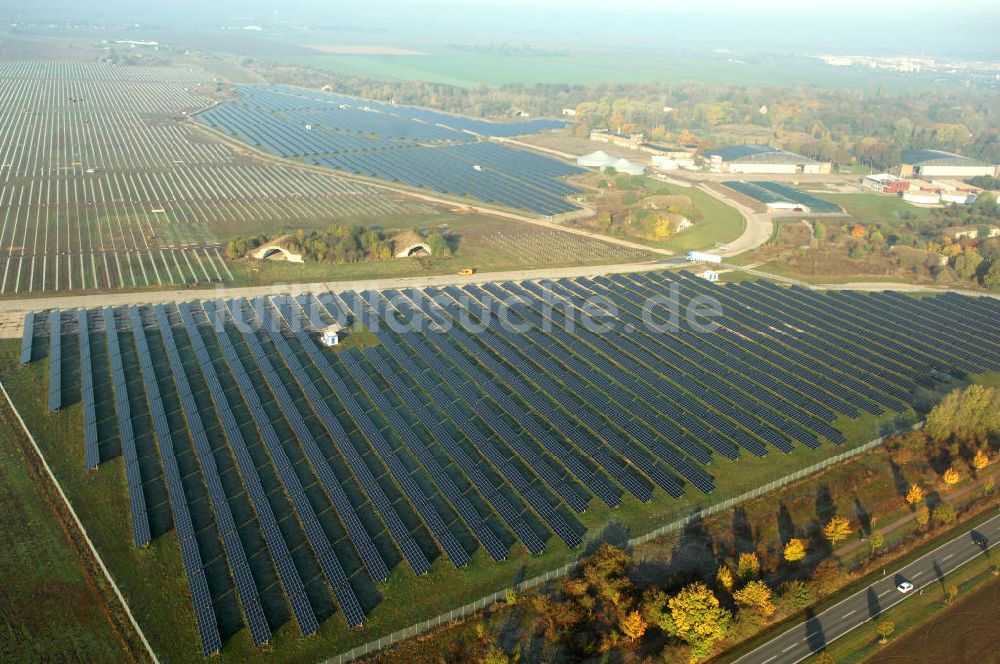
pixel 777 26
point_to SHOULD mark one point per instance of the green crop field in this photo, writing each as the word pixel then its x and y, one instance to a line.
pixel 469 69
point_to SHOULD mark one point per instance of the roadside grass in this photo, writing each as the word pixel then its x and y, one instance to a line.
pixel 49 609
pixel 162 606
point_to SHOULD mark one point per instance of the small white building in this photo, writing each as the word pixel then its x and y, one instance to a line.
pixel 710 275
pixel 330 335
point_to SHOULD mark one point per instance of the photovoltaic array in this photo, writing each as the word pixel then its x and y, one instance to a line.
pixel 415 147
pixel 107 183
pixel 454 435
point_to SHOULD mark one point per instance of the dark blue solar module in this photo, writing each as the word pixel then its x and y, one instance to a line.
pixel 444 437
pixel 415 147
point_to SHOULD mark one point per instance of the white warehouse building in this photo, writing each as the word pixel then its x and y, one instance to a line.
pixel 938 163
pixel 752 159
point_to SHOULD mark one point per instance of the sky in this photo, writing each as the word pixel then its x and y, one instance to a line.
pixel 960 28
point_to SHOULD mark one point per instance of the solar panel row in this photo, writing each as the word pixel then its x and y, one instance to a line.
pixel 55 361
pixel 401 535
pixel 236 557
pixel 27 336
pixel 137 499
pixel 274 540
pixel 493 545
pixel 204 612
pixel 92 454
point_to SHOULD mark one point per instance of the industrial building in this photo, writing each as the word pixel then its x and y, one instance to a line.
pixel 937 163
pixel 885 183
pixel 762 159
pixel 630 141
pixel 602 160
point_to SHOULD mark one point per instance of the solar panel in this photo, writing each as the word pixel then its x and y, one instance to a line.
pixel 246 588
pixel 401 535
pixel 137 499
pixel 55 361
pixel 190 554
pixel 273 539
pixel 92 455
pixel 27 336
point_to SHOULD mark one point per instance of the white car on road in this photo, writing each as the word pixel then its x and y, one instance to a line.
pixel 904 587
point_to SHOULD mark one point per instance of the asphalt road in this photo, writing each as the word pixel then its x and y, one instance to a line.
pixel 865 605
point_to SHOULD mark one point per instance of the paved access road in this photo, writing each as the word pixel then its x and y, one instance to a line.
pixel 860 608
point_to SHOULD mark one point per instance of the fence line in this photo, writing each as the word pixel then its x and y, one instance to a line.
pixel 79 525
pixel 483 602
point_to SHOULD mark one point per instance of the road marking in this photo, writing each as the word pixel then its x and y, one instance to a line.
pixel 886 592
pixel 850 613
pixel 770 659
pixel 950 555
pixel 917 574
pixel 789 647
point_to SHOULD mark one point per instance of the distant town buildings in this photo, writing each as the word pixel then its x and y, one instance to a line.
pixel 763 159
pixel 630 141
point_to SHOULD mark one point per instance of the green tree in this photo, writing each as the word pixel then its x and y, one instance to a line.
pixel 967 263
pixel 991 279
pixel 944 514
pixel 876 540
pixel 885 629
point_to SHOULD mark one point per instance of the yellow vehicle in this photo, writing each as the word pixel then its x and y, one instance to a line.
pixel 467 271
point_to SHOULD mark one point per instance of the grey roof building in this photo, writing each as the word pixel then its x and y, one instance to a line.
pixel 923 163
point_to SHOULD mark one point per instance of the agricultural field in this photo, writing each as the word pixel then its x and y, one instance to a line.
pixel 106 183
pixel 278 489
pixel 412 146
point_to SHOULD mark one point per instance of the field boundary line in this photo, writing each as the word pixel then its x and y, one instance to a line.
pixel 79 524
pixel 674 526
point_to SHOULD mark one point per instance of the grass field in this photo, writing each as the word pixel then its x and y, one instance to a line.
pixel 718 223
pixel 404 599
pixel 48 608
pixel 877 209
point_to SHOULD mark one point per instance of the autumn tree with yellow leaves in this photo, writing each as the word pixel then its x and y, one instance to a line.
pixel 837 529
pixel 633 626
pixel 914 494
pixel 951 477
pixel 747 565
pixel 795 550
pixel 756 595
pixel 980 461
